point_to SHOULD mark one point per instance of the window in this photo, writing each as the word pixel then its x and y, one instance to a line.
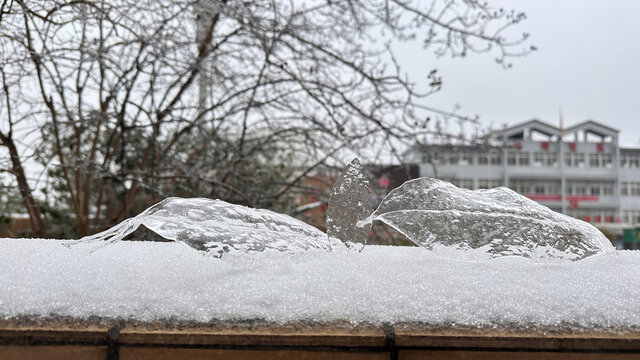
pixel 575 188
pixel 518 158
pixel 607 160
pixel 545 159
pixel 490 158
pixel 630 189
pixel 538 187
pixel 466 158
pixel 630 160
pixel 553 188
pixel 520 186
pixel 607 188
pixel 591 188
pixel 538 159
pixel 574 160
pixel 466 183
pixel 462 183
pixel 495 158
pixel 488 183
pixel 432 158
pixel 631 217
pixel 601 160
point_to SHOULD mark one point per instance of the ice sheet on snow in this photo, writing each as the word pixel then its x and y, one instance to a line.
pixel 148 281
pixel 216 226
pixel 496 222
pixel 430 212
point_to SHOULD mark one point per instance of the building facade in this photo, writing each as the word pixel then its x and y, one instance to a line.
pixel 580 171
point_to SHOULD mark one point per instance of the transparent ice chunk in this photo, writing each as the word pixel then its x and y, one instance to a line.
pixel 216 227
pixel 350 202
pixel 498 222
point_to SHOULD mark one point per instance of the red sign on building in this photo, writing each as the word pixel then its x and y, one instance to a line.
pixel 384 181
pixel 544 145
pixel 600 147
pixel 572 146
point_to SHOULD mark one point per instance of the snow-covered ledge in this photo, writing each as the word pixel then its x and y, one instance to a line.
pixel 150 281
pixel 376 302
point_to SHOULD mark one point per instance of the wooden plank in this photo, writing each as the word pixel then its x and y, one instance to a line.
pixel 509 355
pixel 514 340
pixel 321 337
pixel 317 337
pixel 159 353
pixel 53 335
pixel 17 352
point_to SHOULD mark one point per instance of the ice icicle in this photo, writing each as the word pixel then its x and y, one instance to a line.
pixel 498 222
pixel 350 202
pixel 215 226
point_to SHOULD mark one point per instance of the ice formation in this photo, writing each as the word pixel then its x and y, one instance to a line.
pixel 217 227
pixel 438 215
pixel 350 202
pixel 432 213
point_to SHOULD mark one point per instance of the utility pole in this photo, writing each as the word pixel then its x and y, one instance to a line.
pixel 563 180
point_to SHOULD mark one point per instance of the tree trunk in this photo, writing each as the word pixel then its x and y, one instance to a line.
pixel 35 216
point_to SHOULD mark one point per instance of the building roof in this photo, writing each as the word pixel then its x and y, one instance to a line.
pixel 588 126
pixel 532 125
pixel 592 127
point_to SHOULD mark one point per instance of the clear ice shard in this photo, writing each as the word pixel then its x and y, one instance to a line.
pixel 495 222
pixel 216 227
pixel 351 201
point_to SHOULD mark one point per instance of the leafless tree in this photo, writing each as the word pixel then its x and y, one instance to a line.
pixel 13 162
pixel 137 100
pixel 14 165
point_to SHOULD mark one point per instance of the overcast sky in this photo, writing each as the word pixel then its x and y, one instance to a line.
pixel 587 64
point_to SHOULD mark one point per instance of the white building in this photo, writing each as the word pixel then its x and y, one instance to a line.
pixel 580 171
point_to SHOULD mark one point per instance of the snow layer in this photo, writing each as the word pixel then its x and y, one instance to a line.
pixel 150 281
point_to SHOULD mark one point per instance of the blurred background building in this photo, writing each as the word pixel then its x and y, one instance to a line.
pixel 580 171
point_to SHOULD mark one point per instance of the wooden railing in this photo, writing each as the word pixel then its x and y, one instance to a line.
pixel 126 341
